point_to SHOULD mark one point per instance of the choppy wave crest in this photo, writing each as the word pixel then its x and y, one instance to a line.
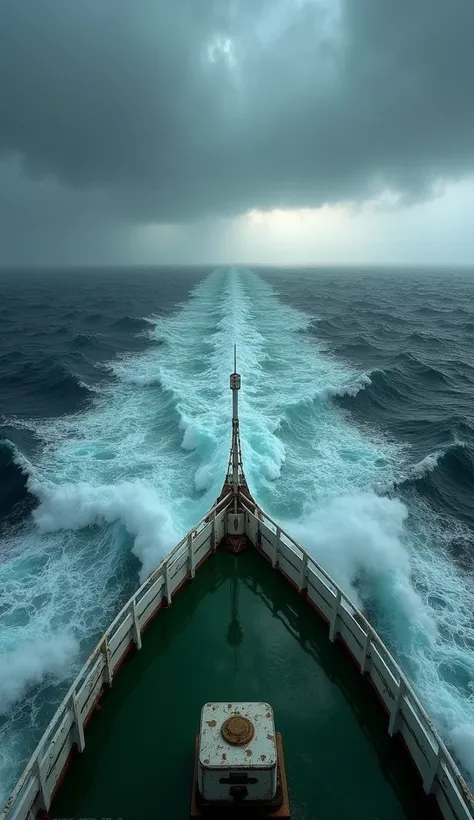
pixel 118 482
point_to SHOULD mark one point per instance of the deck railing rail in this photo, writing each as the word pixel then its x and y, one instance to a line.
pixel 439 772
pixel 43 772
pixel 407 716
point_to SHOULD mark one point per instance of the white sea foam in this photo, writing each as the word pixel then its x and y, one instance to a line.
pixel 426 465
pixel 149 457
pixel 462 737
pixel 419 470
pixel 134 503
pixel 351 389
pixel 431 461
pixel 31 663
pixel 356 533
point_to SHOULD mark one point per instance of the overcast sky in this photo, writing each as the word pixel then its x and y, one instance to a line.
pixel 274 131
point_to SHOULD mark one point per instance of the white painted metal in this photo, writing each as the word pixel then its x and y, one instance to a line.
pixel 219 761
pixel 235 523
pixel 35 786
pixel 79 723
pixel 137 635
pixel 60 737
pixel 190 555
pixel 233 476
pixel 304 573
pixel 335 615
pixel 275 548
pixel 319 594
pixel 167 584
pixel 108 671
pixel 119 636
pixel 366 655
pixel 395 713
pixel 150 600
pixel 88 689
pixel 429 780
pixel 213 534
pixel 44 797
pixel 439 772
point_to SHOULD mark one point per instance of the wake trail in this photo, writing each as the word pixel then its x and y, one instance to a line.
pixel 391 554
pixel 119 483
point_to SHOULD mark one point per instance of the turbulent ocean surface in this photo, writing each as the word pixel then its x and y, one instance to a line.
pixel 357 417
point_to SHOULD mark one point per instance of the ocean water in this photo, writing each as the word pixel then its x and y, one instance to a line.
pixel 357 422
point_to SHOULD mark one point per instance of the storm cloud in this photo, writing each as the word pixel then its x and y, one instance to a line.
pixel 116 113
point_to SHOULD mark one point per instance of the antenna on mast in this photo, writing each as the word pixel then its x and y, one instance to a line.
pixel 235 479
pixel 234 461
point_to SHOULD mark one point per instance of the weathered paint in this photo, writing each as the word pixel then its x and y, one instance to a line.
pixel 438 771
pixel 37 784
pixel 218 759
pixel 339 755
pixel 454 797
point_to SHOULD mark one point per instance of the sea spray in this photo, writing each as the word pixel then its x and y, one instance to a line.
pixel 134 503
pixel 30 663
pixel 117 482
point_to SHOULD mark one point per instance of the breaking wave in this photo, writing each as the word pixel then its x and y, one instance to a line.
pixel 134 503
pixel 30 663
pixel 118 482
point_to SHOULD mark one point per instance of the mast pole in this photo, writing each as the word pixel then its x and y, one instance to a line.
pixel 235 387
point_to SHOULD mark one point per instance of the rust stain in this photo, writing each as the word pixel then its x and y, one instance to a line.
pixel 249 752
pixel 270 737
pixel 268 715
pixel 212 723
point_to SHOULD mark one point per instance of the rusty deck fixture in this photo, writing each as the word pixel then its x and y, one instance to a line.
pixel 282 811
pixel 235 543
pixel 238 730
pixel 235 521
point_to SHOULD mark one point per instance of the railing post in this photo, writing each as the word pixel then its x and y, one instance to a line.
pixel 213 532
pixel 366 652
pixel 190 555
pixel 335 615
pixel 393 724
pixel 137 635
pixel 258 534
pixel 45 797
pixel 108 666
pixel 304 573
pixel 276 548
pixel 79 724
pixel 429 780
pixel 167 584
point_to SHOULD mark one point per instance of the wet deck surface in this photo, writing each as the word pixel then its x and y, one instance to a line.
pixel 239 632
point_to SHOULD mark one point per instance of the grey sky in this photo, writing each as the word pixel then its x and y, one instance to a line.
pixel 116 116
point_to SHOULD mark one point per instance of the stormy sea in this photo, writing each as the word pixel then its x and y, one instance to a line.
pixel 357 420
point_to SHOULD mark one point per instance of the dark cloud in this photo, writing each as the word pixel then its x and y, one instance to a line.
pixel 124 112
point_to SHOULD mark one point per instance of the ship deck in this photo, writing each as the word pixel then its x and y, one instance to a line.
pixel 239 631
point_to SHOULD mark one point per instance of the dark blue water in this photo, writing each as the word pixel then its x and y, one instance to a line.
pixel 358 434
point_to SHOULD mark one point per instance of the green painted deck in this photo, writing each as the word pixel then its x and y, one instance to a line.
pixel 239 631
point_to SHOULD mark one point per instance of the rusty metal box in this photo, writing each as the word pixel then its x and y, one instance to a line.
pixel 237 759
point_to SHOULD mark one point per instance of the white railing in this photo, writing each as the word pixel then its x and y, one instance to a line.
pixel 36 786
pixel 439 772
